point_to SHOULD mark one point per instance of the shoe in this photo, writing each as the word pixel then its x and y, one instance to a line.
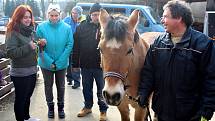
pixel 75 86
pixel 84 112
pixel 51 110
pixel 33 119
pixel 61 113
pixel 103 116
pixel 70 83
pixel 51 114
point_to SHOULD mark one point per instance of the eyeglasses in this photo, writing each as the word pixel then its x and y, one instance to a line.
pixel 165 17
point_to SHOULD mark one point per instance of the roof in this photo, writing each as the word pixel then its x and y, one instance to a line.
pixel 113 5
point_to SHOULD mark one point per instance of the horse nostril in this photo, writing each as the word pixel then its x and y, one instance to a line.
pixel 116 96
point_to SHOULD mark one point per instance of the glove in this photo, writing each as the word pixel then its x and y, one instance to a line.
pixel 142 102
pixel 203 119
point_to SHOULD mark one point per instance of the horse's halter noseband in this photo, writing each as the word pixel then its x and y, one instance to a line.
pixel 119 76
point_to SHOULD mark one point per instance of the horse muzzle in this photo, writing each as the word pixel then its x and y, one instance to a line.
pixel 114 99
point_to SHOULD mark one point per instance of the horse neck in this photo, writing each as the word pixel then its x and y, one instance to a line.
pixel 140 50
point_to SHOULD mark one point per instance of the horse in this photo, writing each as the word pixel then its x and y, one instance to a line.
pixel 123 52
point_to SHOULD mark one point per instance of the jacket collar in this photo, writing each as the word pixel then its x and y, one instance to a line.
pixel 185 41
pixel 55 24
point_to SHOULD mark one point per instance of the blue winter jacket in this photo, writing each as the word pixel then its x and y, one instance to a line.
pixel 72 24
pixel 60 41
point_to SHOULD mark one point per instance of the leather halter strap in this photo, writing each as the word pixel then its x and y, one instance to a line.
pixel 117 75
pixel 114 74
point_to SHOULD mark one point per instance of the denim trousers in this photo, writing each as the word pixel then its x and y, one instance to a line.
pixel 24 87
pixel 88 77
pixel 59 81
pixel 73 75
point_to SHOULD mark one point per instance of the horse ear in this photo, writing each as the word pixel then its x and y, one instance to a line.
pixel 133 19
pixel 103 17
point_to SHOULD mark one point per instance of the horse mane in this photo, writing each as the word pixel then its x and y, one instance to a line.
pixel 117 28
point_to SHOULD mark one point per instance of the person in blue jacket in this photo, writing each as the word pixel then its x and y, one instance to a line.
pixel 73 74
pixel 54 56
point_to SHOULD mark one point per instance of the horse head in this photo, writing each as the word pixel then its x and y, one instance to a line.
pixel 118 38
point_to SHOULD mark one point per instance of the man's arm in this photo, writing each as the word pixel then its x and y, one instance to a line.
pixel 208 85
pixel 147 80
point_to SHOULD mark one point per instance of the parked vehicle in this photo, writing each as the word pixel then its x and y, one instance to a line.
pixel 4 21
pixel 149 21
pixel 209 23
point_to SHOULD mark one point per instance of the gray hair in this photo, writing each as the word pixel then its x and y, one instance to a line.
pixel 178 9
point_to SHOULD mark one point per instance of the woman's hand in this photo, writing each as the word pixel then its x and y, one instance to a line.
pixel 42 42
pixel 33 45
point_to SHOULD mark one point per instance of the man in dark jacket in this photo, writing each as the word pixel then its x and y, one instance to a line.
pixel 179 69
pixel 87 57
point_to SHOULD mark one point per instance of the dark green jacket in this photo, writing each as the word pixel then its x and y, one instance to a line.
pixel 19 50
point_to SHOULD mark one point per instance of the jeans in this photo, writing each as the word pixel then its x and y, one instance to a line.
pixel 88 77
pixel 59 81
pixel 73 75
pixel 24 87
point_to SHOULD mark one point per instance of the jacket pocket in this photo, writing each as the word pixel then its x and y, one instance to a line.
pixel 186 107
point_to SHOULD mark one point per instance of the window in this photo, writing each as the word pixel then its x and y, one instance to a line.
pixel 121 11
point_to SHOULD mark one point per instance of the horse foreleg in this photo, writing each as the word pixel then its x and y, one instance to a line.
pixel 124 111
pixel 140 114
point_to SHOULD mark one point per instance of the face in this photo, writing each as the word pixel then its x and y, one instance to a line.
pixel 170 24
pixel 74 14
pixel 95 17
pixel 26 20
pixel 54 16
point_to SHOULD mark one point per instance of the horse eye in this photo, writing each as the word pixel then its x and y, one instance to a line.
pixel 130 51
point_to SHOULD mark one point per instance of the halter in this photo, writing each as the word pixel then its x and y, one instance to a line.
pixel 119 76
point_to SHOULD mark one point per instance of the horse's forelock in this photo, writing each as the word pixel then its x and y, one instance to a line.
pixel 116 28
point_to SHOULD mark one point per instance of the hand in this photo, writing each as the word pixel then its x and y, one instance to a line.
pixel 203 119
pixel 53 66
pixel 42 42
pixel 33 45
pixel 142 102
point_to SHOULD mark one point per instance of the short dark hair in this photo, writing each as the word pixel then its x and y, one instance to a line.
pixel 180 9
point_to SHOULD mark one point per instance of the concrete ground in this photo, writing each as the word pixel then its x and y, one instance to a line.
pixel 73 103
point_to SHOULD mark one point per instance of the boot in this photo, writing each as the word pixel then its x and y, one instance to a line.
pixel 103 116
pixel 84 112
pixel 61 113
pixel 51 110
